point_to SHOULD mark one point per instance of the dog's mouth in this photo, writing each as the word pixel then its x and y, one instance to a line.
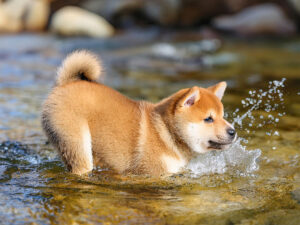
pixel 217 145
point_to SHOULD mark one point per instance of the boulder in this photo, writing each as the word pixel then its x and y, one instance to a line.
pixel 260 19
pixel 19 15
pixel 72 21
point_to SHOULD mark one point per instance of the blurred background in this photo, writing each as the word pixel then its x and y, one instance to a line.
pixel 244 17
pixel 151 49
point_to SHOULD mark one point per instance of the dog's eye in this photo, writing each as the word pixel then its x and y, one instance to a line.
pixel 209 119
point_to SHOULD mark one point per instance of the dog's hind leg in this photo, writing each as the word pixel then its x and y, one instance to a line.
pixel 74 142
pixel 77 152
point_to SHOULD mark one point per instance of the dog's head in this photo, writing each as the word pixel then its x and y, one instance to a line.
pixel 199 119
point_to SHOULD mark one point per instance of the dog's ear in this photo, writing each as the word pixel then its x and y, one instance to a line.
pixel 218 89
pixel 190 98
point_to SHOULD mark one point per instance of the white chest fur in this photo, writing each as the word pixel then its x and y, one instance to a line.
pixel 172 164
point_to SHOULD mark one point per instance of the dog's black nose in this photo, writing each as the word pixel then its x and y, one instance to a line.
pixel 231 132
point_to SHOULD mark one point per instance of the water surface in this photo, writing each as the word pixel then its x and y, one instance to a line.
pixel 256 182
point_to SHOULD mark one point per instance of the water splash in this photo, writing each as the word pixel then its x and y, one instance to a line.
pixel 237 160
pixel 270 102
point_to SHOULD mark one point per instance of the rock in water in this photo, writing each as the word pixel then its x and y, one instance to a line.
pixel 260 19
pixel 19 15
pixel 72 20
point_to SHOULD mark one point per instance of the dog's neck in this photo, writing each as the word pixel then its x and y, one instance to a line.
pixel 169 134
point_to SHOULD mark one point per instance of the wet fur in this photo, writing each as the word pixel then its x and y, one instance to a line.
pixel 93 125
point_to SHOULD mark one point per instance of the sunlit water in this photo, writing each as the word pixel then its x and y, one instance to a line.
pixel 256 181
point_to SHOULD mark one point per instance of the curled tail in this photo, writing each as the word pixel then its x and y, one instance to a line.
pixel 79 65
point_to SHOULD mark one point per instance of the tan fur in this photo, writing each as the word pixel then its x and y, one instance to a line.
pixel 76 64
pixel 93 125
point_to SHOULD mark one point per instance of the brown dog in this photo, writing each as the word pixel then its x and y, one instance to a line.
pixel 93 125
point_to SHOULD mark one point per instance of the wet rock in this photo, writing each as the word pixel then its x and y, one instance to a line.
pixel 19 15
pixel 260 19
pixel 72 21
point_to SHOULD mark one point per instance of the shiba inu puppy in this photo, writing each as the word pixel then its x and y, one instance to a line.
pixel 93 125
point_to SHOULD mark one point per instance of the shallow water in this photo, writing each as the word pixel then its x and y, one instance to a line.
pixel 257 181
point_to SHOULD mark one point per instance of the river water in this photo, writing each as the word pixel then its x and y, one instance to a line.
pixel 257 181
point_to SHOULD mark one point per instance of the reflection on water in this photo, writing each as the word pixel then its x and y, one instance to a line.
pixel 257 181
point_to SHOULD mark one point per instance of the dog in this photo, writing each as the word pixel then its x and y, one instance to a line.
pixel 94 125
